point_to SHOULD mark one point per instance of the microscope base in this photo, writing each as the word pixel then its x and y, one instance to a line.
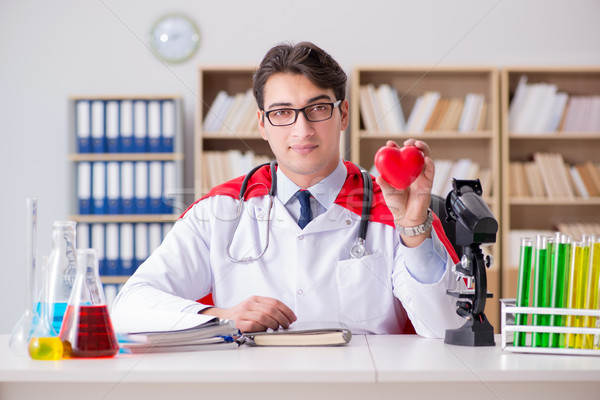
pixel 475 332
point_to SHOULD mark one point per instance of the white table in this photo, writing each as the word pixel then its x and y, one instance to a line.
pixel 372 367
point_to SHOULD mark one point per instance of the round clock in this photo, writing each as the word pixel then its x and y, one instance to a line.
pixel 174 38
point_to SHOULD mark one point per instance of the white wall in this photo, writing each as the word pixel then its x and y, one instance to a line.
pixel 53 49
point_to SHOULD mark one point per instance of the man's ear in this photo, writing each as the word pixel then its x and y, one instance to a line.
pixel 261 124
pixel 344 106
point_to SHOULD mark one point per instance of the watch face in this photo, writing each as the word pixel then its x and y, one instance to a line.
pixel 174 38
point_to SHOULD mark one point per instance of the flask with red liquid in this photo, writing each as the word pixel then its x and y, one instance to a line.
pixel 87 330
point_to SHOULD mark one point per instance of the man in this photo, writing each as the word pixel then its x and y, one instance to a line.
pixel 306 271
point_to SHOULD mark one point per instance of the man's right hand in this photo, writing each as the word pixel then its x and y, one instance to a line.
pixel 256 314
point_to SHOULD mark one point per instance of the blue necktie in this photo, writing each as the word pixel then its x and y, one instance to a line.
pixel 303 197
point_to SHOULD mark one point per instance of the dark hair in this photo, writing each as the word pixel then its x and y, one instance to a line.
pixel 304 58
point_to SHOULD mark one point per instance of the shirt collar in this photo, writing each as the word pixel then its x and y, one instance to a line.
pixel 325 191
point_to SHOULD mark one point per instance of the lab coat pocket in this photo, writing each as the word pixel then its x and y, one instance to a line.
pixel 365 287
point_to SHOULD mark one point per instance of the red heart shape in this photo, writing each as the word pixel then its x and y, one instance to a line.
pixel 399 167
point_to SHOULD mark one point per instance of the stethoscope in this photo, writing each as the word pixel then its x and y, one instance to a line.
pixel 356 251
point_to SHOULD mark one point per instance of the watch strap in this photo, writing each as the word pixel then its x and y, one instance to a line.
pixel 419 229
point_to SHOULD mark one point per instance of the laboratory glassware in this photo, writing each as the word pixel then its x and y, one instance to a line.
pixel 87 329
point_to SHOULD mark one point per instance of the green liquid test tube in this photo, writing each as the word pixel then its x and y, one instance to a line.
pixel 593 289
pixel 541 286
pixel 560 268
pixel 525 257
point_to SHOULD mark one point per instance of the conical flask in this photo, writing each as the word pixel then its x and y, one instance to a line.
pixel 87 330
pixel 62 269
pixel 45 344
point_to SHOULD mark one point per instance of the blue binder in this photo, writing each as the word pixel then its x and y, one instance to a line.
pixel 99 187
pixel 84 187
pixel 140 194
pixel 113 183
pixel 83 125
pixel 112 126
pixel 112 250
pixel 98 127
pixel 140 126
pixel 154 127
pixel 126 126
pixel 168 125
pixel 127 187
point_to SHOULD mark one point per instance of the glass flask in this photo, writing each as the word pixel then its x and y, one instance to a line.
pixel 45 344
pixel 19 338
pixel 62 269
pixel 87 330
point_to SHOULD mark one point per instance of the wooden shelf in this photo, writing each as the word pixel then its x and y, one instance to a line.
pixel 125 157
pixel 482 147
pixel 124 218
pixel 575 147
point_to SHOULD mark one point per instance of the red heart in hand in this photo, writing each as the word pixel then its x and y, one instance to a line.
pixel 399 167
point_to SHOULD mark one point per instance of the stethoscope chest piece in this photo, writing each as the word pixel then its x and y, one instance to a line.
pixel 358 249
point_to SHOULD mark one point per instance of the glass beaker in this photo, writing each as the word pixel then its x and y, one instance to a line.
pixel 61 269
pixel 87 330
pixel 45 344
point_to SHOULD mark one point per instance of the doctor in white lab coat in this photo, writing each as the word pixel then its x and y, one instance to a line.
pixel 305 274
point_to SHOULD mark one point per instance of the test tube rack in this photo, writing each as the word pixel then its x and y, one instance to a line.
pixel 508 328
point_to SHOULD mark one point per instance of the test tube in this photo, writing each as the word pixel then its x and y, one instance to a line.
pixel 541 286
pixel 525 256
pixel 593 289
pixel 577 287
pixel 560 268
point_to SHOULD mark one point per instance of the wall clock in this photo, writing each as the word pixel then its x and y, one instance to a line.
pixel 174 38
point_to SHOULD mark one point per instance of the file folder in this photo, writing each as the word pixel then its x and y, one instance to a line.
pixel 126 249
pixel 154 140
pixel 99 187
pixel 84 187
pixel 154 236
pixel 112 249
pixel 83 126
pixel 98 136
pixel 126 126
pixel 168 126
pixel 127 188
pixel 97 239
pixel 141 244
pixel 141 187
pixel 140 126
pixel 83 236
pixel 169 196
pixel 112 126
pixel 155 187
pixel 112 187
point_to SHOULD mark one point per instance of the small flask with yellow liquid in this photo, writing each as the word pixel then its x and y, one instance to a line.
pixel 45 344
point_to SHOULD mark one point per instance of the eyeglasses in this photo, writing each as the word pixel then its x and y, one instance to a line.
pixel 313 113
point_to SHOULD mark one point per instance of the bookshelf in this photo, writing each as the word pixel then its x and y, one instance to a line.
pixel 449 141
pixel 227 146
pixel 121 210
pixel 571 140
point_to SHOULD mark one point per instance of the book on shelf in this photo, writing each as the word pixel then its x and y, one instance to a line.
pixel 451 118
pixel 303 334
pixel 422 111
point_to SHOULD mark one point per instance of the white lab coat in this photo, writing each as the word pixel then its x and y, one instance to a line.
pixel 309 270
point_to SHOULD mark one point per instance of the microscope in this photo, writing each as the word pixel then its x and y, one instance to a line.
pixel 475 226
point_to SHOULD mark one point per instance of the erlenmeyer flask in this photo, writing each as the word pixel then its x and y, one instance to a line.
pixel 45 344
pixel 62 269
pixel 19 338
pixel 87 330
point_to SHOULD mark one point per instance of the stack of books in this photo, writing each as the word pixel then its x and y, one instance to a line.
pixel 381 111
pixel 549 176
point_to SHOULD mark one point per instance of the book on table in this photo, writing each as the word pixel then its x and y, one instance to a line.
pixel 303 334
pixel 153 331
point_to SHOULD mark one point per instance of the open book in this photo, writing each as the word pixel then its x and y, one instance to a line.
pixel 161 331
pixel 303 334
